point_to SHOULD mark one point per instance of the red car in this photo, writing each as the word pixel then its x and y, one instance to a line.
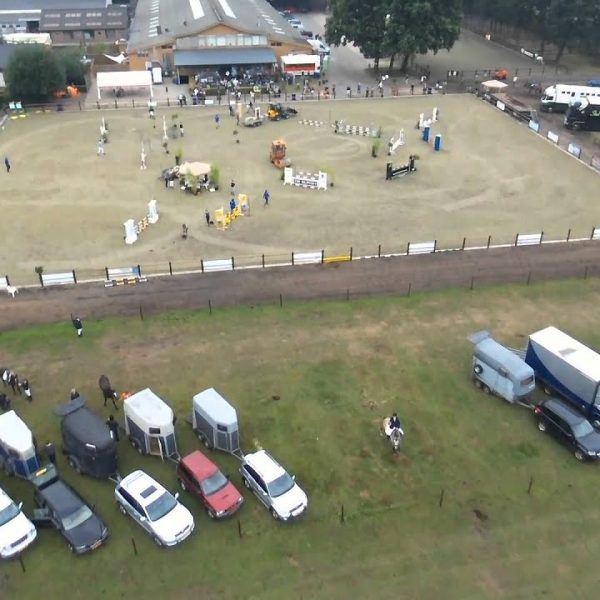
pixel 202 478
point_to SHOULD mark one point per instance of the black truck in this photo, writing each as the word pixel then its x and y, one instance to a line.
pixel 583 115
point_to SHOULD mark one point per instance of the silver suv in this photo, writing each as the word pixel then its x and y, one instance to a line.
pixel 273 485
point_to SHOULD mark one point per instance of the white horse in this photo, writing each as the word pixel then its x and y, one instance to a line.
pixel 11 290
pixel 395 435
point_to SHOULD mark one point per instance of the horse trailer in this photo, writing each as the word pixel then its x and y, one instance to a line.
pixel 86 441
pixel 215 422
pixel 18 452
pixel 150 425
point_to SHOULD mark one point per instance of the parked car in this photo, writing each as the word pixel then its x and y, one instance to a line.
pixel 273 485
pixel 16 530
pixel 60 506
pixel 198 475
pixel 570 427
pixel 154 508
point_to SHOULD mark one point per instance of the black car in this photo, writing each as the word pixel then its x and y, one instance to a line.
pixel 61 507
pixel 569 427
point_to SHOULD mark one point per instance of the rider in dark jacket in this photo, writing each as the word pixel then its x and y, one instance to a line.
pixel 395 422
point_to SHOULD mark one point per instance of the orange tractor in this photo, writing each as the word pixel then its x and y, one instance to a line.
pixel 277 156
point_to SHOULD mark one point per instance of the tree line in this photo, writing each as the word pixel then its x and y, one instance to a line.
pixel 568 24
pixel 398 29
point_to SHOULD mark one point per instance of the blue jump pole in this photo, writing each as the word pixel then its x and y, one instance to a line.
pixel 437 143
pixel 426 134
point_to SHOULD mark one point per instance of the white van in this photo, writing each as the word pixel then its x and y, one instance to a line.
pixel 16 530
pixel 319 46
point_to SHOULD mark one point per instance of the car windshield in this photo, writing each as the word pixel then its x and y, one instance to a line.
pixel 213 484
pixel 81 515
pixel 284 483
pixel 161 506
pixel 9 513
pixel 582 429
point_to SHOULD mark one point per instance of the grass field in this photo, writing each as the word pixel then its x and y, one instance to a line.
pixel 338 368
pixel 66 206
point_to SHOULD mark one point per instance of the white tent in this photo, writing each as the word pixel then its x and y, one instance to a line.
pixel 493 84
pixel 124 79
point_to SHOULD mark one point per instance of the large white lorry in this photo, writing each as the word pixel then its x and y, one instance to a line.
pixel 557 98
pixel 566 367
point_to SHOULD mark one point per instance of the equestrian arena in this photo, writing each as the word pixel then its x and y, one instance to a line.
pixel 64 206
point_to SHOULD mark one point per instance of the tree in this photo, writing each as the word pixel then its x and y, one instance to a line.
pixel 34 73
pixel 70 58
pixel 391 27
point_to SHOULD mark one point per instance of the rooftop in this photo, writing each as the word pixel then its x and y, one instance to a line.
pixel 14 433
pixel 160 22
pixel 20 11
pixel 113 17
pixel 265 464
pixel 140 483
pixel 149 410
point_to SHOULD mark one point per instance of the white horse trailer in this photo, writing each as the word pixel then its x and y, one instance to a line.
pixel 215 422
pixel 150 425
pixel 18 453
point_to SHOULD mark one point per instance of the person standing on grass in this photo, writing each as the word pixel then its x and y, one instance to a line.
pixel 217 120
pixel 100 148
pixel 27 389
pixel 207 217
pixel 78 325
pixel 180 129
pixel 50 452
pixel 113 427
pixel 266 198
pixel 7 164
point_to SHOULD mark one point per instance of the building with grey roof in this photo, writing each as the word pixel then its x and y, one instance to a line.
pixel 72 27
pixel 23 16
pixel 187 34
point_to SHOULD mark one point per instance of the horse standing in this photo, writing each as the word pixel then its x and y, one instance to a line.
pixel 108 393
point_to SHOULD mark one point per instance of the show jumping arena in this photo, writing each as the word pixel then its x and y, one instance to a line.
pixel 63 207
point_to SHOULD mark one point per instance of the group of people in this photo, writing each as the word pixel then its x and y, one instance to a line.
pixel 18 386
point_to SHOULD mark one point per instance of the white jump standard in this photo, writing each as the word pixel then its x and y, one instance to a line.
pixel 133 229
pixel 314 181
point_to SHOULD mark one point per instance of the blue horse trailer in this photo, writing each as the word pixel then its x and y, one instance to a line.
pixel 18 453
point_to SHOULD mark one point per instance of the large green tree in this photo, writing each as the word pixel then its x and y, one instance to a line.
pixel 34 72
pixel 388 28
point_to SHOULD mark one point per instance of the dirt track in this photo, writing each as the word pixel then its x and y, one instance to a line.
pixel 342 280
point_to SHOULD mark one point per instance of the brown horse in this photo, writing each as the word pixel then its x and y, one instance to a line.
pixel 108 393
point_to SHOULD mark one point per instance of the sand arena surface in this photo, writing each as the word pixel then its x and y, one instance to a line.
pixel 63 206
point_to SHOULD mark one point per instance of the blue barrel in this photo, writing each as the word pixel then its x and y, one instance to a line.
pixel 426 134
pixel 437 143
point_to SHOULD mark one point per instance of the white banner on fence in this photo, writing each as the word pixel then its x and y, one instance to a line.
pixel 501 105
pixel 3 283
pixel 58 278
pixel 596 233
pixel 307 258
pixel 553 137
pixel 123 273
pixel 534 125
pixel 574 150
pixel 595 162
pixel 225 264
pixel 421 247
pixel 529 239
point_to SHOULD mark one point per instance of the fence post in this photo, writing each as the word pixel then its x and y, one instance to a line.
pixel 463 244
pixel 441 502
pixel 116 105
pixel 74 276
pixel 489 240
pixel 202 264
pixel 139 270
pixel 530 486
pixel 170 268
pixel 79 102
pixel 7 280
pixel 322 256
pixel 134 546
pixel 351 252
pixel 41 279
pixel 263 261
pixel 342 515
pixel 168 101
pixel 516 239
pixel 22 563
pixel 280 301
pixel 209 307
pixel 106 271
pixel 568 235
pixel 434 246
pixel 408 248
pixel 542 238
pixel 233 263
pixel 133 102
pixel 141 312
pixel 592 234
pixel 292 259
pixel 379 251
pixel 240 533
